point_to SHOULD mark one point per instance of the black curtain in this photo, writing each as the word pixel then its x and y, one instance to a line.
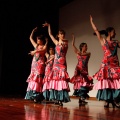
pixel 17 21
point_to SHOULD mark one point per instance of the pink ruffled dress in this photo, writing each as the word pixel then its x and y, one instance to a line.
pixel 58 77
pixel 108 75
pixel 46 83
pixel 35 79
pixel 83 83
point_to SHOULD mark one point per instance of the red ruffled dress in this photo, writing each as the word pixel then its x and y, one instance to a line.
pixel 46 83
pixel 35 79
pixel 108 76
pixel 58 77
pixel 83 83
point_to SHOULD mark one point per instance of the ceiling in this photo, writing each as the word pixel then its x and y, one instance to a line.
pixel 62 3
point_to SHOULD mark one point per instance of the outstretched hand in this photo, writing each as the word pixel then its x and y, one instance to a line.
pixel 91 19
pixel 32 52
pixel 45 24
pixel 35 29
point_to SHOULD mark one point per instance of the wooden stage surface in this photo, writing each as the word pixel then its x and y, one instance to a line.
pixel 19 109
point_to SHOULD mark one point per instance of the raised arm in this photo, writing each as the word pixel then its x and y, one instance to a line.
pixel 31 38
pixel 50 33
pixel 52 57
pixel 73 44
pixel 96 30
pixel 40 50
pixel 47 55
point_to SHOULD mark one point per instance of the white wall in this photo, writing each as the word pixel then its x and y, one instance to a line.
pixel 74 18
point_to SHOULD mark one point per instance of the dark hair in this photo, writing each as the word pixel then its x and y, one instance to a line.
pixel 49 49
pixel 60 31
pixel 105 32
pixel 81 45
pixel 41 37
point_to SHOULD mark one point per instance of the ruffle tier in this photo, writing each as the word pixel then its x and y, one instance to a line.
pixel 108 73
pixel 57 80
pixel 82 92
pixel 106 94
pixel 107 83
pixel 34 86
pixel 59 75
pixel 79 81
pixel 31 95
pixel 35 77
pixel 56 85
pixel 107 78
pixel 61 95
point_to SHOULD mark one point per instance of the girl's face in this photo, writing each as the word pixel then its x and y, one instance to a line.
pixel 39 41
pixel 112 34
pixel 61 36
pixel 84 48
pixel 51 51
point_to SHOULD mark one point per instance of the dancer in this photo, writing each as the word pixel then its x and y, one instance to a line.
pixel 49 65
pixel 35 79
pixel 108 75
pixel 59 77
pixel 83 83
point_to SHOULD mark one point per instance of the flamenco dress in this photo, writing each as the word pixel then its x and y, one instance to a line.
pixel 35 79
pixel 83 83
pixel 58 77
pixel 108 76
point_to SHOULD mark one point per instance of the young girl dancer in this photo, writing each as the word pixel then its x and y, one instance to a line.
pixel 49 65
pixel 59 77
pixel 83 83
pixel 108 76
pixel 35 79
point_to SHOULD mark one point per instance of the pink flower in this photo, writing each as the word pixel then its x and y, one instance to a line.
pixel 61 60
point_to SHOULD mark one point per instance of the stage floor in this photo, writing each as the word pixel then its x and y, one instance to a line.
pixel 19 109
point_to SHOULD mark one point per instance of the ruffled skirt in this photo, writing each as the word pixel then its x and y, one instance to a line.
pixel 56 87
pixel 82 85
pixel 108 84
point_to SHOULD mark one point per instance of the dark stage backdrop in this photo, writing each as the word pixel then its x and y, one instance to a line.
pixel 17 21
